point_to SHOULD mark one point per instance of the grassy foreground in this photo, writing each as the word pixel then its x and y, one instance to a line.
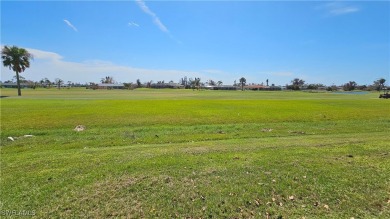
pixel 196 154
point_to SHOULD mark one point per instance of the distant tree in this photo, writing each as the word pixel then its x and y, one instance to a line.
pixel 219 83
pixel 191 82
pixel 149 84
pixel 362 87
pixel 212 83
pixel 350 86
pixel 32 84
pixel 139 84
pixel 315 86
pixel 242 82
pixel 296 84
pixel 59 83
pixel 42 82
pixel 267 82
pixel 128 86
pixel 194 83
pixel 382 82
pixel 379 84
pixel 184 82
pixel 93 86
pixel 311 87
pixel 197 83
pixel 107 80
pixel 48 82
pixel 17 59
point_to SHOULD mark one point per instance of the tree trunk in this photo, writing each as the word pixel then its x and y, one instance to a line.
pixel 18 83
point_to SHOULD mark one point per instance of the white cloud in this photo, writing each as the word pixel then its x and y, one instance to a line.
pixel 52 65
pixel 155 18
pixel 345 10
pixel 70 25
pixel 39 54
pixel 338 8
pixel 133 24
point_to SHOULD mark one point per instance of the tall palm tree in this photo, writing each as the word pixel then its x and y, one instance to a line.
pixel 17 59
pixel 107 80
pixel 197 83
pixel 381 83
pixel 59 83
pixel 242 82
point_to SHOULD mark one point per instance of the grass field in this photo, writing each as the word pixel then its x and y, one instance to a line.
pixel 194 154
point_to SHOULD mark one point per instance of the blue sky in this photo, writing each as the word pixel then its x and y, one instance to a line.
pixel 329 42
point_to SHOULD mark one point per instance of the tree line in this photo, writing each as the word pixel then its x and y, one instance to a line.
pixel 18 60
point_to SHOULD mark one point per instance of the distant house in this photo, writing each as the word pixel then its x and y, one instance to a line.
pixel 14 85
pixel 255 87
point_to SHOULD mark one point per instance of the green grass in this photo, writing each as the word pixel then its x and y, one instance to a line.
pixel 198 154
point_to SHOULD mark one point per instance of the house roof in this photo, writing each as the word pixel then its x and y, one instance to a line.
pixel 13 84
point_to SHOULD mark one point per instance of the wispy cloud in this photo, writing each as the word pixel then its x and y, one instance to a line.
pixel 44 55
pixel 339 8
pixel 155 18
pixel 53 65
pixel 70 25
pixel 133 24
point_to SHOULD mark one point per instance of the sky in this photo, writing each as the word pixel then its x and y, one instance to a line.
pixel 328 42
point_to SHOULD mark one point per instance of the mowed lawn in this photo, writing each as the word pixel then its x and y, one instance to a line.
pixel 194 154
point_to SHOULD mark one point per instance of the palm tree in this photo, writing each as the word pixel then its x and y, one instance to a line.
pixel 139 84
pixel 242 82
pixel 48 82
pixel 350 86
pixel 197 83
pixel 59 82
pixel 107 80
pixel 219 83
pixel 42 82
pixel 381 83
pixel 17 59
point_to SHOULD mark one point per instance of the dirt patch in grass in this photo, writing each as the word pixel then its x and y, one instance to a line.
pixel 196 150
pixel 109 198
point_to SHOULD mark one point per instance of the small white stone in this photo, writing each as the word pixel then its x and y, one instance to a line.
pixel 11 138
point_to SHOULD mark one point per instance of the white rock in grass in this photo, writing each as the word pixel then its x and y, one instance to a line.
pixel 11 138
pixel 28 136
pixel 80 128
